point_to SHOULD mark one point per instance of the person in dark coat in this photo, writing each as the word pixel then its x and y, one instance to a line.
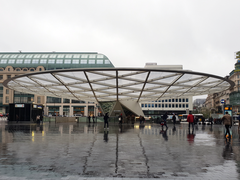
pixel 89 118
pixel 120 118
pixel 93 118
pixel 165 116
pixel 174 119
pixel 106 120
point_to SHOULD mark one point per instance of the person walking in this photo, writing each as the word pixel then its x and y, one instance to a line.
pixel 93 118
pixel 89 118
pixel 120 118
pixel 165 116
pixel 190 120
pixel 174 120
pixel 106 120
pixel 227 121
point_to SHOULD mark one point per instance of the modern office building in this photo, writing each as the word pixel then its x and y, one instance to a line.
pixel 88 83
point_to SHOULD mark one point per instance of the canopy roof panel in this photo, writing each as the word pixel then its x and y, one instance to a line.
pixel 111 84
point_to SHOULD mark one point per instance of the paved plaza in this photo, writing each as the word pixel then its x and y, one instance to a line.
pixel 78 151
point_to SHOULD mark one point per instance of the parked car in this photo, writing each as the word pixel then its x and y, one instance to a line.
pixel 1 115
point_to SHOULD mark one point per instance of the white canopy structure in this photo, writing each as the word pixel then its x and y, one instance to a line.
pixel 118 84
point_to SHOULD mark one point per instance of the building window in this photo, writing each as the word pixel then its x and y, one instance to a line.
pixel 180 101
pixel 172 105
pixel 24 69
pixel 83 61
pixel 31 69
pixel 180 105
pixel 176 105
pixel 169 100
pixel 59 61
pixel 38 99
pixel 7 91
pixel 152 105
pixel 75 61
pixel 9 69
pixel 169 105
pixel 99 61
pixel 35 61
pixel 183 100
pixel 162 101
pixel 238 82
pixel 142 105
pixel 7 99
pixel 176 100
pixel 18 69
pixel 40 69
pixel 99 56
pixel 145 105
pixel 76 56
pixel 107 62
pixel 53 100
pixel 66 100
pixel 8 76
pixel 156 105
pixel 91 62
pixel 183 105
pixel 159 105
pixel 43 61
pixel 186 99
pixel 1 77
pixel 165 100
pixel 165 105
pixel 68 61
pixel 172 100
pixel 149 105
pixel 186 105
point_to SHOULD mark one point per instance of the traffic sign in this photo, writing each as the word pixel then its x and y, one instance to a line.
pixel 222 101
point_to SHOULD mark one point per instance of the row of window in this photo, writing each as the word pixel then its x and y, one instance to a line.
pixel 75 56
pixel 53 61
pixel 173 100
pixel 164 105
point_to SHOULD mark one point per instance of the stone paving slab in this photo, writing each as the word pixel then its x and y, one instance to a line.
pixel 78 151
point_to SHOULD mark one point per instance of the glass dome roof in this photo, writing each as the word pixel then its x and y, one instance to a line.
pixel 54 60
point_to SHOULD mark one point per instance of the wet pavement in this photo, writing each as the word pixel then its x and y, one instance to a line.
pixel 81 151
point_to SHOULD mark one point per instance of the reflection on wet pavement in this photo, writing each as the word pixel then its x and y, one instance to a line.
pixel 55 151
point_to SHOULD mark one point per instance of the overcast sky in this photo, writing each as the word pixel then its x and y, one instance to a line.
pixel 201 35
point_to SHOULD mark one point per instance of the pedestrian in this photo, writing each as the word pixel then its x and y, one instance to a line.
pixel 120 118
pixel 174 119
pixel 93 118
pixel 190 120
pixel 105 120
pixel 211 120
pixel 203 120
pixel 89 119
pixel 227 121
pixel 140 119
pixel 165 116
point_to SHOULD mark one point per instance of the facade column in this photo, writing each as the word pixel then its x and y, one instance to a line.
pixel 61 110
pixel 86 110
pixel 70 111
